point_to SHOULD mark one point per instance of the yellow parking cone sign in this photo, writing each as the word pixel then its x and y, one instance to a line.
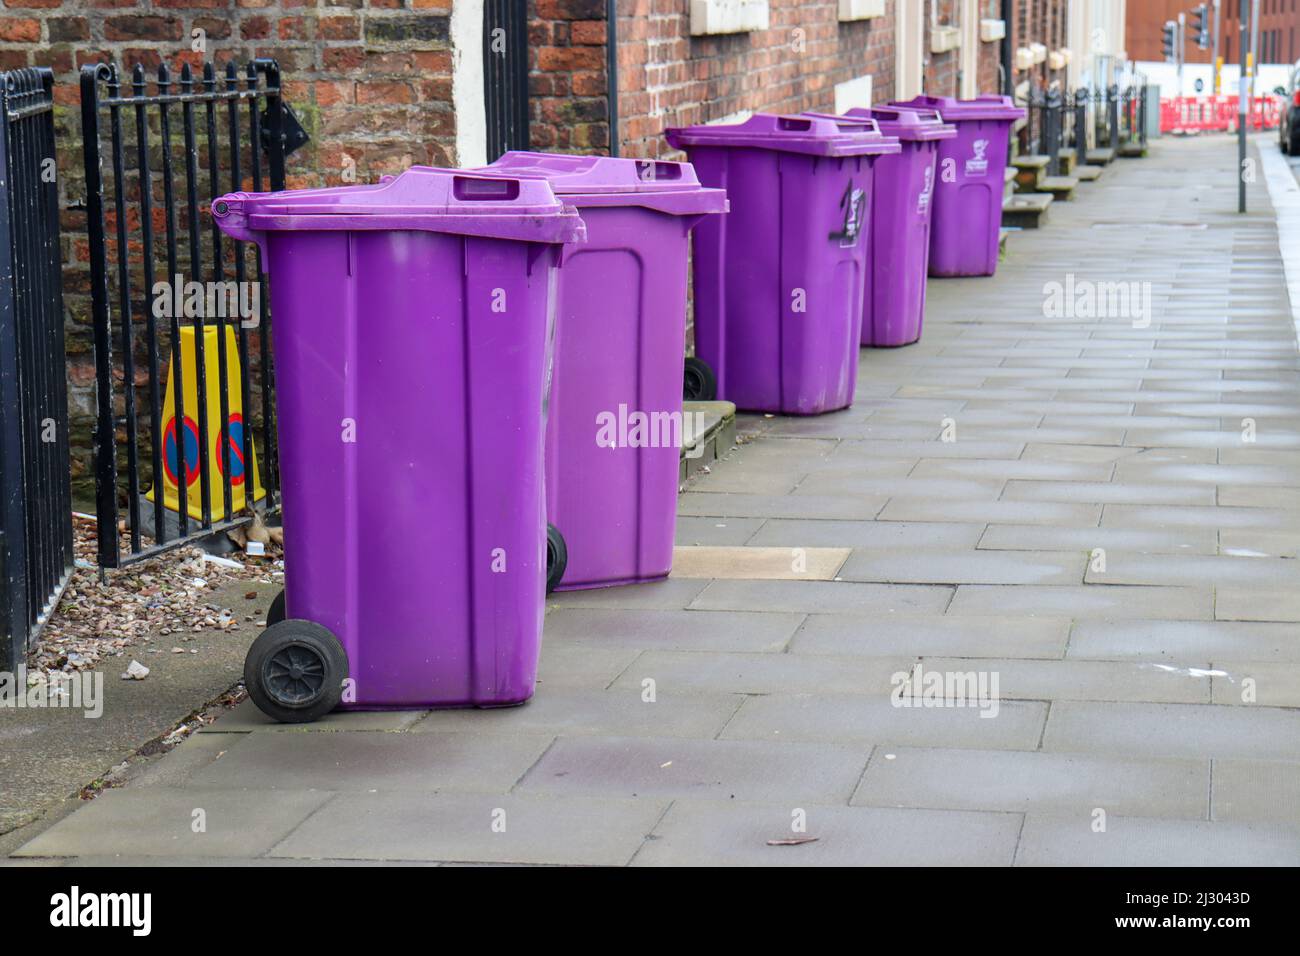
pixel 187 435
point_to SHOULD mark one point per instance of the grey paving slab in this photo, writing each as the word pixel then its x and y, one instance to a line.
pixel 656 768
pixel 1018 781
pixel 1256 791
pixel 1141 681
pixel 918 566
pixel 669 594
pixel 729 505
pixel 1007 537
pixel 162 821
pixel 716 531
pixel 702 672
pixel 1138 841
pixel 1084 601
pixel 713 833
pixel 1259 544
pixel 1185 642
pixel 794 718
pixel 1088 454
pixel 475 829
pixel 581 667
pixel 732 630
pixel 355 761
pixel 1108 492
pixel 965 448
pixel 993 512
pixel 617 712
pixel 1044 470
pixel 871 636
pixel 1256 604
pixel 867 534
pixel 845 481
pixel 1255 496
pixel 1267 683
pixel 823 596
pixel 1197 570
pixel 1174 730
pixel 246 718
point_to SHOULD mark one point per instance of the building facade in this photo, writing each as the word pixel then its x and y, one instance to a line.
pixel 383 84
pixel 1276 35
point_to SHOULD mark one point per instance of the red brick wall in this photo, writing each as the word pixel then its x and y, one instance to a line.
pixel 1041 21
pixel 369 79
pixel 943 70
pixel 669 78
pixel 569 110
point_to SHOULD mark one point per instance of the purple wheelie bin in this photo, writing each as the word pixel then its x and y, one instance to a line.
pixel 968 194
pixel 898 243
pixel 412 328
pixel 778 281
pixel 614 428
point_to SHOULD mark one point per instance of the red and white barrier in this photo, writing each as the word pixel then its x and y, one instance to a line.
pixel 1202 114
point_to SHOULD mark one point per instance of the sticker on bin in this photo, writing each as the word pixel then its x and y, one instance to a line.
pixel 977 167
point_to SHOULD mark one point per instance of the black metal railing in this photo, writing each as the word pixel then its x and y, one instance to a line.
pixel 172 145
pixel 1048 125
pixel 505 76
pixel 36 555
pixel 1081 100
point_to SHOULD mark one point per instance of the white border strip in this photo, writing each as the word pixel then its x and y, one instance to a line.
pixel 1284 193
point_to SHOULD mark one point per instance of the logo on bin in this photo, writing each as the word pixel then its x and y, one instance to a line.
pixel 853 204
pixel 978 165
pixel 923 201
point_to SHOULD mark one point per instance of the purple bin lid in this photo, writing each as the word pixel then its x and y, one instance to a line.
pixel 587 181
pixel 810 135
pixel 913 125
pixel 986 106
pixel 422 198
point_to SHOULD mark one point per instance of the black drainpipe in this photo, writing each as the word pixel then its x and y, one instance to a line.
pixel 1008 80
pixel 611 72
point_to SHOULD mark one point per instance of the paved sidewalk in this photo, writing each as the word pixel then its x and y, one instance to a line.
pixel 1100 513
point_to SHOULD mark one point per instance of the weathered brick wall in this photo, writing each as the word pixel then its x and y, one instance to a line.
pixel 369 79
pixel 1040 21
pixel 943 70
pixel 569 109
pixel 669 78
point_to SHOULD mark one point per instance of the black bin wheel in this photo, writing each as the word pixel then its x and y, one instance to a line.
pixel 699 384
pixel 295 671
pixel 557 557
pixel 275 613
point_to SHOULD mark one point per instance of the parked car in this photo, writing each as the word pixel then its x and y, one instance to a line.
pixel 1289 123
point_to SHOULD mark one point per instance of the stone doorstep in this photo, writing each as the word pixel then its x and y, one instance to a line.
pixel 1068 159
pixel 1087 174
pixel 1102 156
pixel 1026 210
pixel 1132 150
pixel 1030 171
pixel 712 442
pixel 1061 187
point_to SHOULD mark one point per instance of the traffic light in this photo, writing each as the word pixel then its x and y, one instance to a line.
pixel 1201 25
pixel 1170 41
